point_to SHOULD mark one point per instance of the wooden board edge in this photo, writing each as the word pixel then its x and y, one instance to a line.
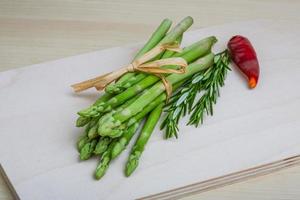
pixel 9 184
pixel 225 180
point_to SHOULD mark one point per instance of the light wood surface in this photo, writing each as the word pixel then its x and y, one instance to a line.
pixel 37 31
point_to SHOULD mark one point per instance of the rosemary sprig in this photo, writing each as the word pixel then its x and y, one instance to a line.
pixel 215 79
pixel 182 102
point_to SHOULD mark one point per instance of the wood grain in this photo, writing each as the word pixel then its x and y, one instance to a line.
pixel 36 31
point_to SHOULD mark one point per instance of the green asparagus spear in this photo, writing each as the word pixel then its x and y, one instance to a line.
pixel 92 129
pixel 81 120
pixel 84 138
pixel 142 140
pixel 123 141
pixel 105 141
pixel 178 30
pixel 117 131
pixel 172 36
pixel 175 33
pixel 155 38
pixel 199 48
pixel 97 110
pixel 135 79
pixel 103 98
pixel 104 162
pixel 119 99
pixel 124 105
pixel 91 110
pixel 147 97
pixel 87 150
pixel 93 132
pixel 82 141
pixel 102 145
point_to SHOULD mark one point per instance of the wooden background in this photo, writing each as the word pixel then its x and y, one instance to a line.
pixel 36 31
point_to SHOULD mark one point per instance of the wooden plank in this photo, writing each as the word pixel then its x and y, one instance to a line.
pixel 22 45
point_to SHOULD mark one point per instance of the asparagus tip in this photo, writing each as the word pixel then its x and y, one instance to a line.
pixel 92 111
pixel 132 164
pixel 113 89
pixel 108 128
pixel 99 150
pixel 189 18
pixel 81 121
pixel 103 165
pixel 84 156
pixel 102 145
pixel 93 132
pixel 87 150
pixel 81 142
pixel 100 171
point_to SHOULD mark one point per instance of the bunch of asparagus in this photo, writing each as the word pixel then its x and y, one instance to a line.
pixel 111 122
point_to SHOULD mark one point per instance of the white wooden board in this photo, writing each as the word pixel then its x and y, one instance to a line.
pixel 249 127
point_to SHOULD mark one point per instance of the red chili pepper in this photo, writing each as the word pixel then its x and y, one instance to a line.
pixel 244 56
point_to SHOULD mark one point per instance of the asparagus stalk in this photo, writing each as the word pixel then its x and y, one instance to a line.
pixel 142 140
pixel 198 47
pixel 127 103
pixel 114 149
pixel 103 98
pixel 102 145
pixel 202 49
pixel 100 101
pixel 123 141
pixel 93 126
pixel 155 38
pixel 92 129
pixel 84 138
pixel 140 76
pixel 87 150
pixel 93 132
pixel 120 129
pixel 81 120
pixel 82 141
pixel 178 30
pixel 104 162
pixel 172 36
pixel 147 97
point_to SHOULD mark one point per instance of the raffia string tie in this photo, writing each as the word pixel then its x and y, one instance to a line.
pixel 141 64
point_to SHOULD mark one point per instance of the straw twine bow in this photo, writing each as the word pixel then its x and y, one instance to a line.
pixel 141 64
